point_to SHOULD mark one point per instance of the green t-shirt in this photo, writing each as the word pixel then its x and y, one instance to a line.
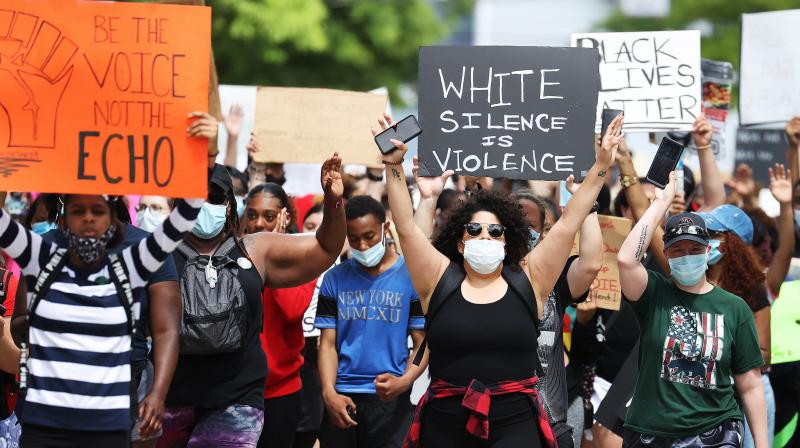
pixel 691 345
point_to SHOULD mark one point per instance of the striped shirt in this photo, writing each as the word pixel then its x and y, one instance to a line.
pixel 79 370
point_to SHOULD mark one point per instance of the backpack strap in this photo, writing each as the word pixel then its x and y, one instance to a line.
pixel 46 278
pixel 449 283
pixel 119 275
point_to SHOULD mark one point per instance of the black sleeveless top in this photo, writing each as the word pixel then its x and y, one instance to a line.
pixel 221 380
pixel 490 342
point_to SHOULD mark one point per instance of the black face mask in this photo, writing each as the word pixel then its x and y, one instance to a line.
pixel 90 249
pixel 276 180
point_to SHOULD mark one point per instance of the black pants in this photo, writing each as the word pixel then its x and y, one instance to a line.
pixel 34 436
pixel 380 424
pixel 441 429
pixel 281 415
pixel 785 379
pixel 726 435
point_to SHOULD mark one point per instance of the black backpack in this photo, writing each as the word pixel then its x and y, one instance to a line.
pixel 214 302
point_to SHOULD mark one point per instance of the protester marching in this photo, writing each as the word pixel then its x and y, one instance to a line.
pixel 560 247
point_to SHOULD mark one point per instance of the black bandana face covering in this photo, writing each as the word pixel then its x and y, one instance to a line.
pixel 89 249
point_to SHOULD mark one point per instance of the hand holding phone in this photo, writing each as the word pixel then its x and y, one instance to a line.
pixel 404 130
pixel 606 118
pixel 666 159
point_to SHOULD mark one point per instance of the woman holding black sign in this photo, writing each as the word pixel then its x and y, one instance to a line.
pixel 490 288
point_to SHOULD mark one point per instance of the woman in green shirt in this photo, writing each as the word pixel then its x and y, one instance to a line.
pixel 697 342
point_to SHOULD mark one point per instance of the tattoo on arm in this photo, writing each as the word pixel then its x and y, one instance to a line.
pixel 602 173
pixel 396 173
pixel 640 245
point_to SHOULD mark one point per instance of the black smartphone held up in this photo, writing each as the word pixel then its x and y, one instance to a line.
pixel 667 157
pixel 404 130
pixel 608 116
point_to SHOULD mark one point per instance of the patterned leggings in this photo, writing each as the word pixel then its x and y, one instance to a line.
pixel 236 426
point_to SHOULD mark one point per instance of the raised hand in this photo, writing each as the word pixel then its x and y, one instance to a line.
pixel 398 154
pixel 702 131
pixel 331 178
pixel 252 145
pixel 611 141
pixel 572 186
pixel 793 132
pixel 667 195
pixel 742 181
pixel 233 122
pixel 283 221
pixel 586 309
pixel 430 187
pixel 205 126
pixel 780 183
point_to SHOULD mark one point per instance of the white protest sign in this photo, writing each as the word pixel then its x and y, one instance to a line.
pixel 654 77
pixel 770 67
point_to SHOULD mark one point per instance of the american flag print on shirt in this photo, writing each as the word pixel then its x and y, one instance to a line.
pixel 692 348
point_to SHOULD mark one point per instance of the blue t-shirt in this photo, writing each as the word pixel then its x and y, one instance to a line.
pixel 372 317
pixel 165 273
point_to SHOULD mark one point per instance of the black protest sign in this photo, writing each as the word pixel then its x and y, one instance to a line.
pixel 513 112
pixel 761 149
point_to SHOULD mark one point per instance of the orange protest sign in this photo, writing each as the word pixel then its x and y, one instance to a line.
pixel 606 290
pixel 94 97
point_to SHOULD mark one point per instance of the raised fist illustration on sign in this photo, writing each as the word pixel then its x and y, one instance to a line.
pixel 36 64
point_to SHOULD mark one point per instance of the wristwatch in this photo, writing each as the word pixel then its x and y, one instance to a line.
pixel 595 207
pixel 627 180
pixel 374 178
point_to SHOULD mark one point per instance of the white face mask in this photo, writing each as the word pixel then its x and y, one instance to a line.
pixel 484 256
pixel 148 220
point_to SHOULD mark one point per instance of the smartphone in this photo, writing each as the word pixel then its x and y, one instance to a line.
pixel 608 116
pixel 667 157
pixel 404 130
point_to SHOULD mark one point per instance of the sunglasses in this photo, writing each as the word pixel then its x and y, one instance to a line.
pixel 474 229
pixel 686 230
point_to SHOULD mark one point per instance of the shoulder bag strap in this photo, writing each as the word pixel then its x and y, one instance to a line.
pixel 448 284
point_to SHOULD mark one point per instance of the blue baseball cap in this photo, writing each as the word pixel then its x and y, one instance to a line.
pixel 730 218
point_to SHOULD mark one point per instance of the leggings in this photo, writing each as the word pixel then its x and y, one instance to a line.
pixel 237 426
pixel 444 430
pixel 35 436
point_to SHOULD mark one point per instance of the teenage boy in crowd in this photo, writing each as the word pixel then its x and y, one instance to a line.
pixel 367 307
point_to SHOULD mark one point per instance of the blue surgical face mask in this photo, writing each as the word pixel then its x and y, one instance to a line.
pixel 371 257
pixel 535 236
pixel 42 227
pixel 240 205
pixel 797 217
pixel 689 269
pixel 210 221
pixel 148 220
pixel 715 255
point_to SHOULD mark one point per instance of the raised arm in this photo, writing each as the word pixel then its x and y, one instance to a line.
pixel 145 257
pixel 584 269
pixel 430 188
pixel 713 186
pixel 793 137
pixel 233 125
pixel 547 261
pixel 781 188
pixel 291 260
pixel 638 202
pixel 426 265
pixel 632 275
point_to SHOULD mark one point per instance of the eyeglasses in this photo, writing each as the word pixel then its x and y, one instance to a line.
pixel 474 229
pixel 715 233
pixel 686 230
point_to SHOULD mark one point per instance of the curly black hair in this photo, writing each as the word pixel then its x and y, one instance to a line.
pixel 508 212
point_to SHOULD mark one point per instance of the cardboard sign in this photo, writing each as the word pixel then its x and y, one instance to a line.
pixel 606 290
pixel 308 125
pixel 770 67
pixel 512 112
pixel 95 97
pixel 761 149
pixel 653 76
pixel 785 324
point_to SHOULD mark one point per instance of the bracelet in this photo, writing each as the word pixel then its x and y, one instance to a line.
pixel 392 163
pixel 704 147
pixel 374 178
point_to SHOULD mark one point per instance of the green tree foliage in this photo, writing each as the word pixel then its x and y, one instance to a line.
pixel 723 15
pixel 348 44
